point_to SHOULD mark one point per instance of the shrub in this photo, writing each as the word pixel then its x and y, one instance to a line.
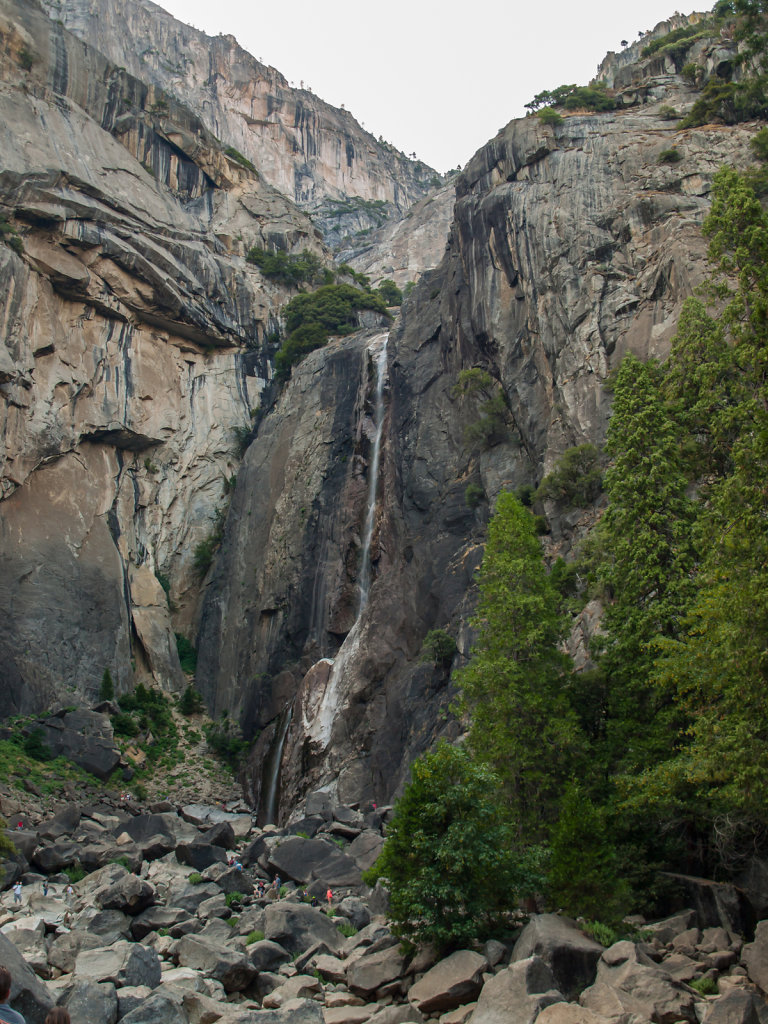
pixel 75 873
pixel 704 986
pixel 26 58
pixel 668 113
pixel 670 156
pixel 576 480
pixel 191 702
pixel 255 936
pixel 237 156
pixel 602 933
pixel 224 739
pixel 34 745
pixel 124 725
pixel 450 859
pixel 347 929
pixel 107 688
pixel 690 72
pixel 287 267
pixel 550 117
pixel 195 878
pixel 438 647
pixel 473 495
pixel 234 897
pixel 390 293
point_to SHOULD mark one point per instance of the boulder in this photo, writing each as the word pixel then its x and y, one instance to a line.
pixel 267 955
pixel 91 1001
pixel 356 912
pixel 373 970
pixel 713 939
pixel 84 737
pixel 331 967
pixel 124 963
pixel 681 967
pixel 192 896
pixel 570 955
pixel 665 931
pixel 628 981
pixel 107 925
pixel 63 823
pixel 200 855
pixel 320 804
pixel 736 1006
pixel 154 918
pixel 63 951
pixel 129 894
pixel 160 1008
pixel 294 1011
pixel 56 856
pixel 455 980
pixel 131 997
pixel 232 968
pixel 29 996
pixel 349 1014
pixel 755 957
pixel 221 834
pixel 569 1013
pixel 299 926
pixel 302 860
pixel 398 1015
pixel 517 994
pixel 365 849
pixel 717 903
pixel 300 986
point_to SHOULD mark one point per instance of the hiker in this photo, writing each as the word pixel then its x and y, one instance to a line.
pixel 45 887
pixel 329 895
pixel 277 887
pixel 17 893
pixel 6 1013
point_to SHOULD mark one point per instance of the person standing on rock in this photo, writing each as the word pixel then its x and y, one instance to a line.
pixel 329 896
pixel 45 887
pixel 17 893
pixel 277 887
pixel 6 1013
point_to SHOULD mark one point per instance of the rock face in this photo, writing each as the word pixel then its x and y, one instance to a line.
pixel 132 351
pixel 313 152
pixel 570 246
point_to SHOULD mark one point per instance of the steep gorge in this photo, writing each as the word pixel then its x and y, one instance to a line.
pixel 138 341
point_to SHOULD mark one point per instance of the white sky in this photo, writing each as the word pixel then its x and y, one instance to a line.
pixel 437 79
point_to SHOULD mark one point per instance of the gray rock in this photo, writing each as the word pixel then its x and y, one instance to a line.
pixel 304 859
pixel 88 1000
pixel 221 834
pixel 365 849
pixel 200 855
pixel 160 1008
pixel 63 951
pixel 570 955
pixel 130 998
pixel 233 969
pixel 56 856
pixel 455 980
pixel 64 822
pixel 299 926
pixel 29 995
pixel 124 963
pixel 755 957
pixel 517 994
pixel 155 918
pixel 267 955
pixel 129 894
pixel 371 971
pixel 736 1006
pixel 356 912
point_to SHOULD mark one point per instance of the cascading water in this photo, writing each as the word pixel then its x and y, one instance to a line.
pixel 271 776
pixel 320 726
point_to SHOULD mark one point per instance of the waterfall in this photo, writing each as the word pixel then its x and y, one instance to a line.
pixel 321 724
pixel 373 473
pixel 271 775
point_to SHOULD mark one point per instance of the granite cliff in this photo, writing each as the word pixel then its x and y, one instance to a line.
pixel 137 343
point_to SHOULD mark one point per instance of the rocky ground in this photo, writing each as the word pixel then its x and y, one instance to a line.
pixel 167 925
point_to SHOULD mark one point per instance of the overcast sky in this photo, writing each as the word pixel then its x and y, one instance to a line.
pixel 437 79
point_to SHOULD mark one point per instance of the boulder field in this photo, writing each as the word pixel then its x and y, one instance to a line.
pixel 193 915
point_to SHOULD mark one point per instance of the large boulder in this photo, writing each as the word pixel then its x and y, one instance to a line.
pixel 717 903
pixel 160 1008
pixel 569 1013
pixel 302 860
pixel 517 994
pixel 84 737
pixel 64 949
pixel 755 957
pixel 63 823
pixel 629 982
pixel 29 996
pixel 200 855
pixel 124 963
pixel 91 1001
pixel 736 1006
pixel 267 955
pixel 373 970
pixel 570 955
pixel 129 894
pixel 155 918
pixel 298 926
pixel 232 968
pixel 450 983
pixel 221 834
pixel 56 856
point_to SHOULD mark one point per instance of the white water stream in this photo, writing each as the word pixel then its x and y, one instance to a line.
pixel 319 727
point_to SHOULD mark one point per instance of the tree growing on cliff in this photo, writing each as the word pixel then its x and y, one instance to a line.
pixel 450 859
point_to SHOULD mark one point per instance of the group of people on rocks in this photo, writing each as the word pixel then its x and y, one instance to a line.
pixel 260 890
pixel 58 1015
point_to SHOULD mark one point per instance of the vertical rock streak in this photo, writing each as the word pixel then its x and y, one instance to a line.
pixel 272 767
pixel 320 727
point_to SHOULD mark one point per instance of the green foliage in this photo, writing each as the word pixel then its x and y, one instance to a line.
pixel 234 897
pixel 585 874
pixel 243 437
pixel 10 236
pixel 202 558
pixel 150 710
pixel 516 685
pixel 191 702
pixel 188 660
pixel 478 387
pixel 125 725
pixel 549 116
pixel 438 647
pixel 254 936
pixel 677 43
pixel 347 929
pixel 195 878
pixel 34 745
pixel 670 156
pixel 473 495
pixel 601 932
pixel 225 740
pixel 690 72
pixel 286 267
pixel 574 97
pixel 150 466
pixel 75 873
pixel 107 688
pixel 26 58
pixel 237 156
pixel 123 861
pixel 473 382
pixel 6 846
pixel 390 293
pixel 576 480
pixel 668 113
pixel 705 986
pixel 450 858
pixel 310 318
